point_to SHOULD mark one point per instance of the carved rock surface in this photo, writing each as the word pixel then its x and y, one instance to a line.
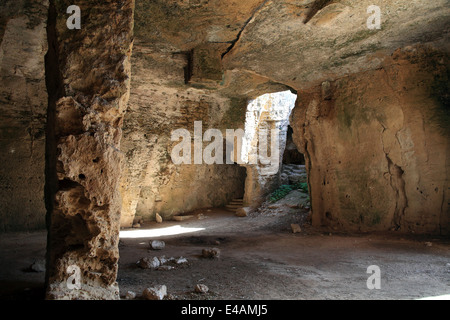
pixel 377 151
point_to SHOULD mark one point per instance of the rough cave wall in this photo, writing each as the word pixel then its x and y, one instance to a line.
pixel 377 146
pixel 23 105
pixel 88 78
pixel 161 102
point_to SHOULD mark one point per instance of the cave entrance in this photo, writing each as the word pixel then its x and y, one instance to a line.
pixel 265 143
pixel 293 170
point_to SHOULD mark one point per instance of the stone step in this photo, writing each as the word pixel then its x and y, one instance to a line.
pixel 233 206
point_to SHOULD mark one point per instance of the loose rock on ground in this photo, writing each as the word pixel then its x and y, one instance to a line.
pixel 155 293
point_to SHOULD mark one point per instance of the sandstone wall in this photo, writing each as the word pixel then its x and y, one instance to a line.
pixel 160 103
pixel 23 106
pixel 377 146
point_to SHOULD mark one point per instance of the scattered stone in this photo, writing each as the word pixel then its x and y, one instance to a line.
pixel 243 212
pixel 201 288
pixel 130 295
pixel 149 263
pixel 136 225
pixel 211 253
pixel 182 218
pixel 428 244
pixel 274 206
pixel 158 218
pixel 38 266
pixel 296 228
pixel 181 260
pixel 161 263
pixel 155 293
pixel 163 260
pixel 157 244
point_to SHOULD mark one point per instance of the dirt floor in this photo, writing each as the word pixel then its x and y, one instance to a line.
pixel 260 259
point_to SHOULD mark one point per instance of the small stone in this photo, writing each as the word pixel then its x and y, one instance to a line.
pixel 155 293
pixel 162 260
pixel 428 244
pixel 243 212
pixel 201 288
pixel 158 218
pixel 157 244
pixel 181 260
pixel 149 263
pixel 211 253
pixel 38 266
pixel 296 228
pixel 136 225
pixel 130 295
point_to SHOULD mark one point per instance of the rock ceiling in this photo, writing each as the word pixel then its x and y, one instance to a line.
pixel 233 44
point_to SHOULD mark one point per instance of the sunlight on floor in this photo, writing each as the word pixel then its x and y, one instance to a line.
pixel 152 233
pixel 443 297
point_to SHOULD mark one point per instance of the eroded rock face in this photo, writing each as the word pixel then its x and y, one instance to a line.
pixel 89 77
pixel 377 151
pixel 335 40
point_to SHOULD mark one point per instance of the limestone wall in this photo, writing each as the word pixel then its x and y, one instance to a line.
pixel 161 103
pixel 377 146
